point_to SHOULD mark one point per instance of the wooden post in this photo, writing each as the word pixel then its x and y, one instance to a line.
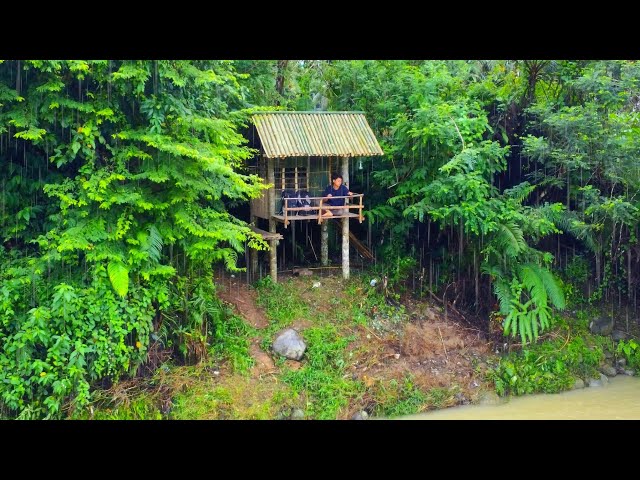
pixel 253 254
pixel 324 244
pixel 345 223
pixel 273 261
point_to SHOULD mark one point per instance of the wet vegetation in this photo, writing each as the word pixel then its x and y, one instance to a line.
pixel 506 206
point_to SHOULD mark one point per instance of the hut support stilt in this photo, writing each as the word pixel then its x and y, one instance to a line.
pixel 345 248
pixel 324 244
pixel 345 224
pixel 253 255
pixel 273 261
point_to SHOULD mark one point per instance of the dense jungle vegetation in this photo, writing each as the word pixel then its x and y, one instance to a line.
pixel 508 188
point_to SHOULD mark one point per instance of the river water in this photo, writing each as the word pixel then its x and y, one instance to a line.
pixel 620 400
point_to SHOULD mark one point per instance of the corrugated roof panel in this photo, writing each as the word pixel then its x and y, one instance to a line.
pixel 295 134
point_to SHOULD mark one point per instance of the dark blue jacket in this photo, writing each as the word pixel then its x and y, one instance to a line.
pixel 343 191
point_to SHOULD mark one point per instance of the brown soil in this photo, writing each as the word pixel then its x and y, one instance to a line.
pixel 435 352
pixel 243 298
pixel 264 363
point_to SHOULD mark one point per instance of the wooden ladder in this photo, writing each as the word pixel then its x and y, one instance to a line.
pixel 364 251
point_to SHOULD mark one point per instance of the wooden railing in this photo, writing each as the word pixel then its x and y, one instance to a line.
pixel 317 203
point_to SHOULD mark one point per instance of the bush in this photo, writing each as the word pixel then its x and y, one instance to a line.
pixel 548 367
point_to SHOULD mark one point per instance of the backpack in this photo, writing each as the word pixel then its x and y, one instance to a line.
pixel 304 201
pixel 288 193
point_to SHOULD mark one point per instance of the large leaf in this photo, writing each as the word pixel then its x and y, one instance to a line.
pixel 119 276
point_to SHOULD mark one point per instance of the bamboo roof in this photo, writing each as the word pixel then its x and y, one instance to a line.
pixel 324 134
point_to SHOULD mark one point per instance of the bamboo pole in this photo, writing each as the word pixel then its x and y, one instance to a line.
pixel 324 244
pixel 273 261
pixel 345 224
pixel 253 254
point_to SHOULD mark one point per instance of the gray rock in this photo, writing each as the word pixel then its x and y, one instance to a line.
pixel 289 344
pixel 579 383
pixel 489 398
pixel 598 382
pixel 602 325
pixel 297 414
pixel 621 362
pixel 608 355
pixel 608 370
pixel 361 415
pixel 617 335
pixel 629 372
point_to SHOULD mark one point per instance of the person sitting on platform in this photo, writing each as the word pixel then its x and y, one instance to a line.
pixel 336 189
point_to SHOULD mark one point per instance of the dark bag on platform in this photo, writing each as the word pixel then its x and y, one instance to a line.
pixel 292 195
pixel 304 201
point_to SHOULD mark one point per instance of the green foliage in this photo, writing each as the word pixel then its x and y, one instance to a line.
pixel 52 353
pixel 550 367
pixel 119 276
pixel 630 350
pixel 115 181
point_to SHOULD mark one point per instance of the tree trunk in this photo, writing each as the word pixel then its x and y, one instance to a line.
pixel 281 67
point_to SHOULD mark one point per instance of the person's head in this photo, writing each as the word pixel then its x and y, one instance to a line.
pixel 336 180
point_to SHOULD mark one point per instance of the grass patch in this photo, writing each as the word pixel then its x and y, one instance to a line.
pixel 280 301
pixel 235 398
pixel 231 343
pixel 321 380
pixel 141 407
pixel 395 398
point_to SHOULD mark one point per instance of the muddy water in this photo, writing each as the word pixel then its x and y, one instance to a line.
pixel 620 399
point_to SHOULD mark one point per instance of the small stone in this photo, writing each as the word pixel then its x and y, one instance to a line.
pixel 316 285
pixel 621 362
pixel 602 325
pixel 629 372
pixel 461 399
pixel 396 356
pixel 608 370
pixel 489 398
pixel 598 382
pixel 579 383
pixel 361 415
pixel 297 414
pixel 618 335
pixel 216 372
pixel 368 336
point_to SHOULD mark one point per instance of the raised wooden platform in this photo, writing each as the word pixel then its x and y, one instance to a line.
pixel 290 218
pixel 267 235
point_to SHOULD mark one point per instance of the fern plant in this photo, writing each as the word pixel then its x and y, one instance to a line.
pixel 525 298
